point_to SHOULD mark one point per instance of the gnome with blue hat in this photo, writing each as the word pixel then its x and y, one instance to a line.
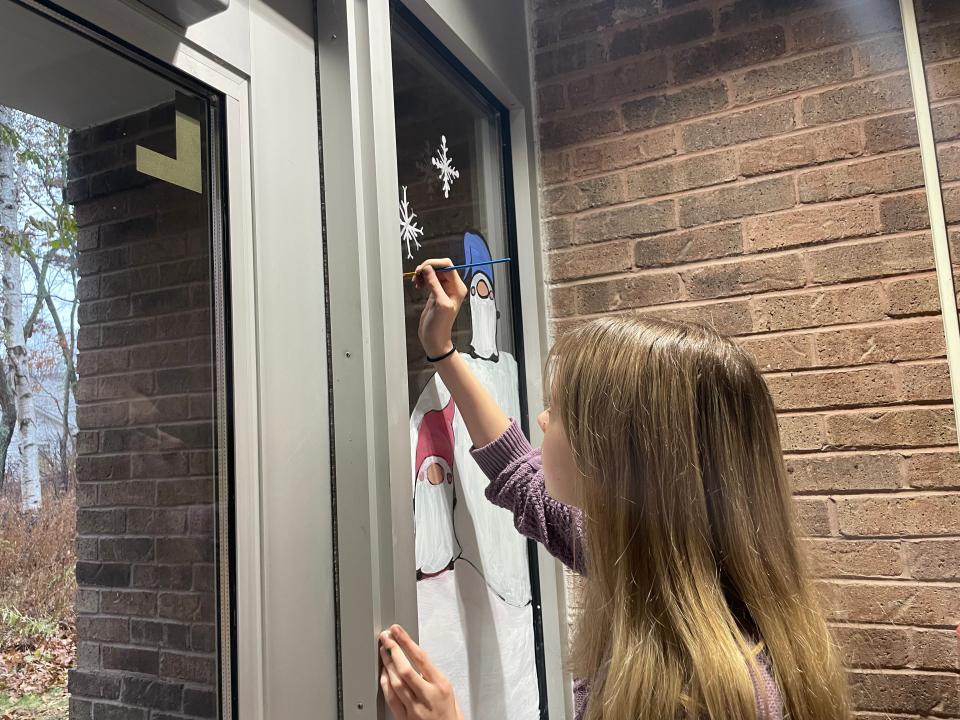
pixel 484 315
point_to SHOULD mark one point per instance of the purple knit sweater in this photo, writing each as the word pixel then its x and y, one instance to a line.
pixel 515 472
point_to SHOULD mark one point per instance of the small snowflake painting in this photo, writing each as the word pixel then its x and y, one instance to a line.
pixel 444 163
pixel 409 230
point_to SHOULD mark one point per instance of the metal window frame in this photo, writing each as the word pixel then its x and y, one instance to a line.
pixel 283 612
pixel 370 430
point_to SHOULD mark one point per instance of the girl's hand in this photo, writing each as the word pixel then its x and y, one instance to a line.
pixel 447 292
pixel 416 691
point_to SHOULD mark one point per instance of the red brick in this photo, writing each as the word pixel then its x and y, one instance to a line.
pixel 668 32
pixel 624 152
pixel 808 148
pixel 909 427
pixel 886 174
pixel 740 277
pixel 781 352
pixel 704 243
pixel 583 19
pixel 554 166
pixel 934 470
pixel 796 74
pixel 882 55
pixel 128 602
pixel 557 233
pixel 672 107
pixel 626 222
pixel 584 262
pixel 918 693
pixel 905 212
pixel 906 603
pixel 579 128
pixel 809 225
pixel 801 432
pixel 926 382
pixel 833 306
pixel 583 195
pixel 873 647
pixel 631 291
pixel 844 473
pixel 739 127
pixel 936 649
pixel 864 260
pixel 913 296
pixel 630 79
pixel 846 24
pixel 853 558
pixel 884 342
pixel 867 97
pixel 895 516
pixel 736 201
pixel 682 174
pixel 729 53
pixel 943 81
pixel 190 668
pixel 890 132
pixel 812 516
pixel 949 163
pixel 834 388
pixel 933 560
pixel 946 122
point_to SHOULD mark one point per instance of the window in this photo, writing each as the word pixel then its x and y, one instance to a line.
pixel 476 590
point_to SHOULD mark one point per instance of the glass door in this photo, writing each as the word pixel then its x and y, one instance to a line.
pixel 478 600
pixel 115 486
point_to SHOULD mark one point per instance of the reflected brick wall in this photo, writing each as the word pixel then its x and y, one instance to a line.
pixel 146 605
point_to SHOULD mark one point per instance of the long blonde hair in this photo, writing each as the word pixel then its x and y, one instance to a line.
pixel 691 557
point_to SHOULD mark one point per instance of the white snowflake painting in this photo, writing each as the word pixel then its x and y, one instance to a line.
pixel 409 229
pixel 444 163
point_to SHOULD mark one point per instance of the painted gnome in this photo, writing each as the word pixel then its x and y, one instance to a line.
pixel 436 544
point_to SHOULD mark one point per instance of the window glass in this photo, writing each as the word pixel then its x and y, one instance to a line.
pixel 113 529
pixel 475 596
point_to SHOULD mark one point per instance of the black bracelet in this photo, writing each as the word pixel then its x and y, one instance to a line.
pixel 442 357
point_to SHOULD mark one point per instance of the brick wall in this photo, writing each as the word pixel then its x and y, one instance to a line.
pixel 754 164
pixel 146 603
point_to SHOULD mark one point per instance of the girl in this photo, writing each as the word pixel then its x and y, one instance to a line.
pixel 661 481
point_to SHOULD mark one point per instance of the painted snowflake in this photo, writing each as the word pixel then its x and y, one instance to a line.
pixel 444 163
pixel 409 230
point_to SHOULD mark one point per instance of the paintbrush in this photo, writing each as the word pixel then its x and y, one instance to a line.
pixel 463 267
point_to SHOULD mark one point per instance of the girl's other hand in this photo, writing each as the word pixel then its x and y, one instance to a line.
pixel 447 292
pixel 412 686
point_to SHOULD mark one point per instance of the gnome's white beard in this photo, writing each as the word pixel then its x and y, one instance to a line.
pixel 435 543
pixel 483 313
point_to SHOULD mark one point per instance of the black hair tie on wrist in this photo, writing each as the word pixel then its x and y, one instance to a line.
pixel 447 354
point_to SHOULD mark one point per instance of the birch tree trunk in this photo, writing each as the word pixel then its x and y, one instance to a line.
pixel 30 498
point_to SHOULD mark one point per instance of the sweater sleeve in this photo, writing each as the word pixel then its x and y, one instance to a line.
pixel 515 472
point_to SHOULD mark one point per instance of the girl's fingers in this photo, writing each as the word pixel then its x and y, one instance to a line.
pixel 414 652
pixel 391 698
pixel 397 662
pixel 428 277
pixel 397 684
